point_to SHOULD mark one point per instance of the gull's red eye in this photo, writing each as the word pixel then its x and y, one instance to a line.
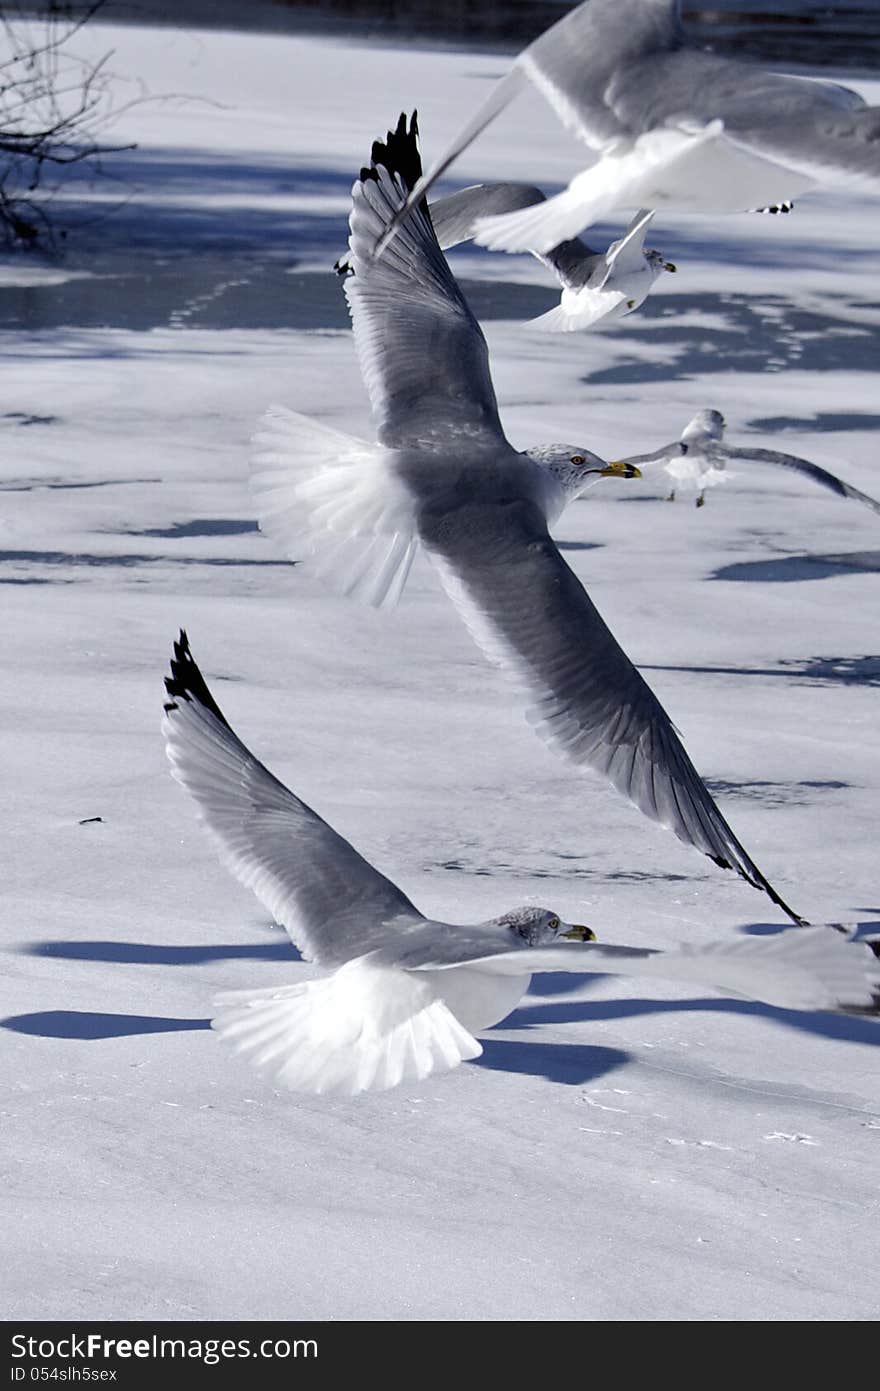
pixel 578 459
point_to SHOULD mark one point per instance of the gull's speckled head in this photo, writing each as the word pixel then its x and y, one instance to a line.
pixel 537 927
pixel 658 262
pixel 574 467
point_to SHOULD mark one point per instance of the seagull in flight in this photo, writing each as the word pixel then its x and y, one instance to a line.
pixel 442 475
pixel 699 458
pixel 407 994
pixel 598 287
pixel 671 126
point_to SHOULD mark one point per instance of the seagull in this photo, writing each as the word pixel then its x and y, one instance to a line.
pixel 407 994
pixel 443 476
pixel 698 459
pixel 598 287
pixel 672 126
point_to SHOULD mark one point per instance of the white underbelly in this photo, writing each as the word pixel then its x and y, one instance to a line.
pixel 718 175
pixel 478 999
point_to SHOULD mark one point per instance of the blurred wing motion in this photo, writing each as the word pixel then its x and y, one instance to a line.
pixel 814 969
pixel 674 125
pixel 311 880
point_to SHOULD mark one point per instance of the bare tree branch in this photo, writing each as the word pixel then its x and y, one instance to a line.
pixel 55 107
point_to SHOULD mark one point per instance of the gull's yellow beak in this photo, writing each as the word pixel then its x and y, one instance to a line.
pixel 667 265
pixel 620 469
pixel 578 933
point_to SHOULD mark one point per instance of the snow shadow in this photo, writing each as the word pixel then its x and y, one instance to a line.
pixel 33 485
pixel 206 526
pixel 147 954
pixel 759 333
pixel 90 561
pixel 570 1064
pixel 851 1028
pixel 855 671
pixel 816 424
pixel 793 568
pixel 85 1025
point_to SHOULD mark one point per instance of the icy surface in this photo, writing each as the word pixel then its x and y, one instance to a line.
pixel 617 1153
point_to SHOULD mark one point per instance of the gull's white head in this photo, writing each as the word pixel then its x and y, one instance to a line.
pixel 657 261
pixel 536 927
pixel 574 467
pixel 706 426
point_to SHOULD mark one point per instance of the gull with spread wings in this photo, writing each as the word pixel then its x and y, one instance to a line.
pixel 698 460
pixel 598 287
pixel 407 993
pixel 443 475
pixel 673 127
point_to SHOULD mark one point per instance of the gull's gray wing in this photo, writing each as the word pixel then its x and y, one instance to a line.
pixel 803 466
pixel 813 969
pixel 615 69
pixel 673 450
pixel 454 221
pixel 330 899
pixel 628 254
pixel 528 611
pixel 422 353
pixel 454 217
pixel 573 64
pixel 619 68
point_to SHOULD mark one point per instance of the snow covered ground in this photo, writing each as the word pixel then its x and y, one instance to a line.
pixel 618 1152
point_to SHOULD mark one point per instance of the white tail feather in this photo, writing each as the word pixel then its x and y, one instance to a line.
pixel 586 309
pixel 365 1028
pixel 331 500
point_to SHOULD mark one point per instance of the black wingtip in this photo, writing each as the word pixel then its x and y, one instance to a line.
pixel 187 683
pixel 399 152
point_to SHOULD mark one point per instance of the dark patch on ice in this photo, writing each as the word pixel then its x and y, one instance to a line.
pixel 208 526
pixel 814 424
pixel 33 485
pixel 524 871
pixel 759 334
pixel 22 418
pixel 568 1063
pixel 793 568
pixel 127 561
pixel 147 954
pixel 579 545
pixel 773 793
pixel 89 820
pixel 854 671
pixel 83 1024
pixel 16 580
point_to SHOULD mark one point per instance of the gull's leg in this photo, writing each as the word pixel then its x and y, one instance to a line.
pixel 671 497
pixel 701 500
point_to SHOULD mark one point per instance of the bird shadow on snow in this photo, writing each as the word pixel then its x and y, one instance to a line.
pixel 850 1028
pixel 570 1064
pixel 88 1026
pixel 794 568
pixel 148 954
pixel 856 671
